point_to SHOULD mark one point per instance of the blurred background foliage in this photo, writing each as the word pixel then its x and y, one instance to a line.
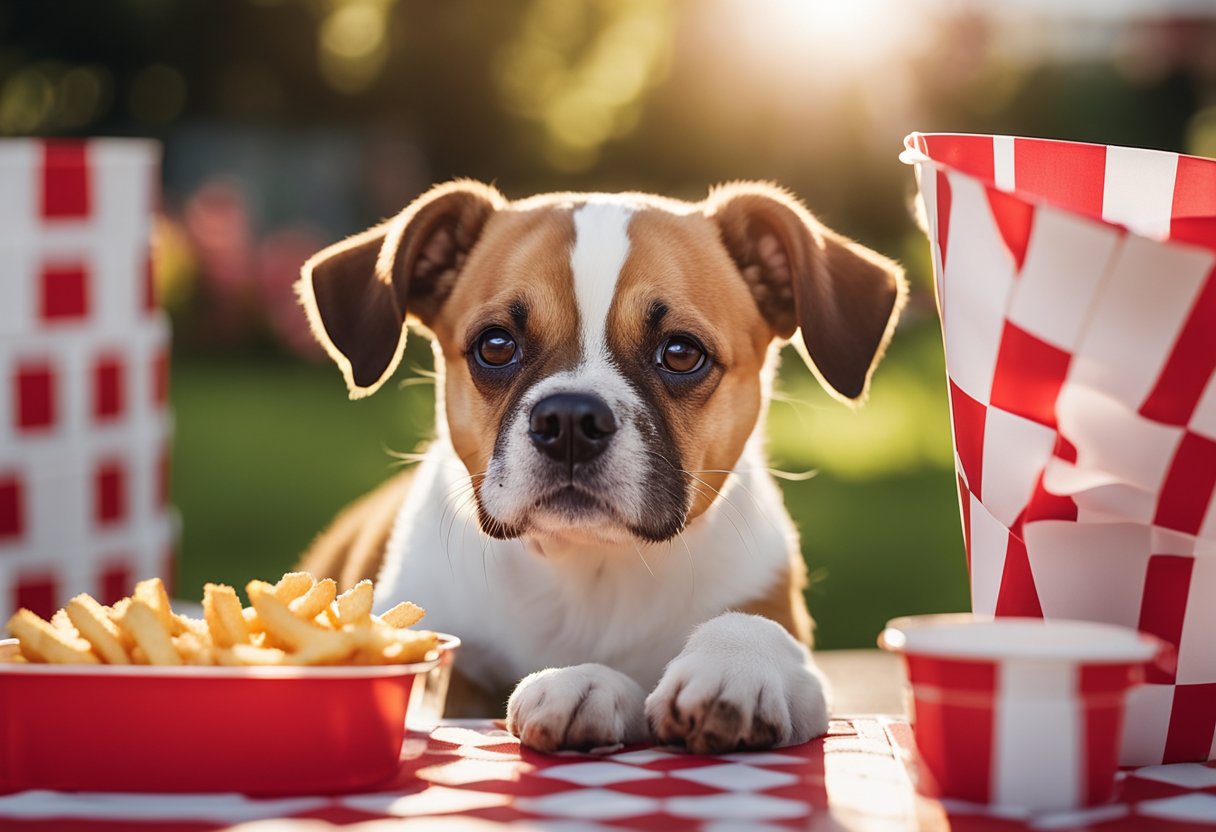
pixel 289 123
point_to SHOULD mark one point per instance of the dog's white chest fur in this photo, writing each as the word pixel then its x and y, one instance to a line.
pixel 526 605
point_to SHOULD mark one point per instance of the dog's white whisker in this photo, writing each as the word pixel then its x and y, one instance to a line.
pixel 697 489
pixel 692 567
pixel 724 500
pixel 642 558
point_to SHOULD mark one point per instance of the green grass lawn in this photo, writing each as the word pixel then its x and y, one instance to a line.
pixel 268 449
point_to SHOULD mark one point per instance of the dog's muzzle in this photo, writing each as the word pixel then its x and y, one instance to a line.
pixel 571 427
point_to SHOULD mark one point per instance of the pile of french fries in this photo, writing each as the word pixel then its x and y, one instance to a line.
pixel 296 621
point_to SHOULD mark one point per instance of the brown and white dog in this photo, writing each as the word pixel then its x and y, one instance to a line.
pixel 595 517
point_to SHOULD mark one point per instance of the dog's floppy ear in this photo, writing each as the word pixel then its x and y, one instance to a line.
pixel 843 297
pixel 357 292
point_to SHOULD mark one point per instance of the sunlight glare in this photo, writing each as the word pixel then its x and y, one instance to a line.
pixel 835 37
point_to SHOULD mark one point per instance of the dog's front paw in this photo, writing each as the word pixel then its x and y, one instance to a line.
pixel 741 683
pixel 581 707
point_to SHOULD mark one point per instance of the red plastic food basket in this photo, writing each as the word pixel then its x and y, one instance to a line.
pixel 256 730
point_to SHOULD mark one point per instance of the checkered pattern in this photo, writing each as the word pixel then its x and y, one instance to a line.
pixel 472 775
pixel 84 422
pixel 1077 290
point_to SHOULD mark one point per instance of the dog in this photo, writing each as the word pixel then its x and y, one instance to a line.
pixel 594 517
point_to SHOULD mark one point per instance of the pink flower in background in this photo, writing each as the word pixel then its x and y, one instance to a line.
pixel 279 258
pixel 216 219
pixel 244 284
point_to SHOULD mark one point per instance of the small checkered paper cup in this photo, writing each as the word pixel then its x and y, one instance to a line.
pixel 1018 712
pixel 84 416
pixel 1077 290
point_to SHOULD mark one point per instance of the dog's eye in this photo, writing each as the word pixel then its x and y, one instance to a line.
pixel 680 354
pixel 496 348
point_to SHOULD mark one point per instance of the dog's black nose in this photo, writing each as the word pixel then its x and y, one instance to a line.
pixel 571 427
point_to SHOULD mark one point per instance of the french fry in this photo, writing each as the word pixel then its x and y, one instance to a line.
pixel 319 596
pixel 292 585
pixel 42 642
pixel 194 648
pixel 152 592
pixel 383 644
pixel 316 645
pixel 247 654
pixel 330 616
pixel 355 605
pixel 252 620
pixel 150 633
pixel 115 612
pixel 94 625
pixel 60 621
pixel 192 625
pixel 403 615
pixel 225 619
pixel 296 621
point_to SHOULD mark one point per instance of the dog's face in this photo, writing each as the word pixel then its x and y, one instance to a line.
pixel 603 355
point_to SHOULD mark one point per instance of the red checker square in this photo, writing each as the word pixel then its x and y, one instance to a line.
pixel 109 376
pixel 1194 189
pixel 943 215
pixel 1133 789
pixel 1167 585
pixel 664 787
pixel 64 292
pixel 969 418
pixel 1017 595
pixel 1044 505
pixel 1072 176
pixel 1014 218
pixel 38 593
pixel 971 154
pixel 110 493
pixel 1192 724
pixel 12 508
pixel 65 180
pixel 160 378
pixel 1190 366
pixel 1188 486
pixel 116 583
pixel 162 478
pixel 1028 377
pixel 34 396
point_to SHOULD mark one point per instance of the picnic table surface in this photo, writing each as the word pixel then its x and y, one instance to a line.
pixel 471 774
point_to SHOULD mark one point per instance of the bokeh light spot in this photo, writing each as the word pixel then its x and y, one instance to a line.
pixel 25 101
pixel 352 44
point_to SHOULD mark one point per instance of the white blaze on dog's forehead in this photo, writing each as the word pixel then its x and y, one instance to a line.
pixel 601 246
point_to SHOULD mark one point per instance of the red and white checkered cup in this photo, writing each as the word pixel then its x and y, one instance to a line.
pixel 84 360
pixel 1077 289
pixel 1019 712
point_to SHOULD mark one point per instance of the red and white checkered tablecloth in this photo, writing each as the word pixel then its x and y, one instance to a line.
pixel 473 775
